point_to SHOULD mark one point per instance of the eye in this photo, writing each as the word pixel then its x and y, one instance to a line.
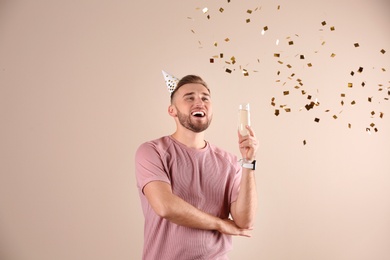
pixel 206 99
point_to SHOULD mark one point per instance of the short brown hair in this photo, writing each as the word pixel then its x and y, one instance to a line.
pixel 188 80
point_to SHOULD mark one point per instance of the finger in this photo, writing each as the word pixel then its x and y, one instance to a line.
pixel 250 129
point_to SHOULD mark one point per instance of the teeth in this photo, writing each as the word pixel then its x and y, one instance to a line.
pixel 198 113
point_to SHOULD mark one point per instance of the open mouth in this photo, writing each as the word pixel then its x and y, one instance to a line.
pixel 198 114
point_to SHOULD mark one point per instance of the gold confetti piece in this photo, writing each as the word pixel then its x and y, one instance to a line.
pixel 205 10
pixel 233 59
pixel 368 130
pixel 278 7
pixel 369 99
pixel 349 126
pixel 227 39
pixel 383 69
pixel 323 23
pixel 280 62
pixel 302 57
pixel 286 92
pixel 333 55
pixel 360 70
pixel 211 60
pixel 287 109
pixel 290 43
pixel 289 66
pixel 278 73
pixel 383 51
pixel 245 72
pixel 334 116
pixel 342 102
pixel 192 31
pixel 221 55
pixel 316 119
pixel 276 112
pixel 249 11
pixel 265 28
pixel 372 124
pixel 277 42
pixel 376 129
pixel 350 85
pixel 353 102
pixel 352 73
pixel 327 110
pixel 248 20
pixel 372 113
pixel 215 44
pixel 356 45
pixel 277 55
pixel 208 16
pixel 363 84
pixel 342 95
pixel 323 43
pixel 303 92
pixel 332 28
pixel 381 114
pixel 228 70
pixel 221 10
pixel 309 65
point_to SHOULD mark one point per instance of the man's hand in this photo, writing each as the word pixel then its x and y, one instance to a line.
pixel 248 144
pixel 228 227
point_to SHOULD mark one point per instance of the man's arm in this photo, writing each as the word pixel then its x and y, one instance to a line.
pixel 243 210
pixel 171 207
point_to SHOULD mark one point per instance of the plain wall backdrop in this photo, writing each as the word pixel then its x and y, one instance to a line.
pixel 81 88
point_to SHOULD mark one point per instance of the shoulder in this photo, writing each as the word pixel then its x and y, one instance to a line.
pixel 157 145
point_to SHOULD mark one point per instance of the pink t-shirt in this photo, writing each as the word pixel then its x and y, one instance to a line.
pixel 208 179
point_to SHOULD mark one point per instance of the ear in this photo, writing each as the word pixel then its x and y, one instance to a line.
pixel 172 110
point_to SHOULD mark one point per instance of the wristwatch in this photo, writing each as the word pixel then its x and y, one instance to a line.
pixel 249 165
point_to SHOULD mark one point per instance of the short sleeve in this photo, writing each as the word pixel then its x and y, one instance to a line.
pixel 149 165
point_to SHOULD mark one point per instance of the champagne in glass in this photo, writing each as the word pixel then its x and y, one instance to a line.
pixel 243 118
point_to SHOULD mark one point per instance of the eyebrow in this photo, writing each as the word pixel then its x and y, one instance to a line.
pixel 193 93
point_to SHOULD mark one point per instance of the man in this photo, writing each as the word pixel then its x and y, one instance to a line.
pixel 189 187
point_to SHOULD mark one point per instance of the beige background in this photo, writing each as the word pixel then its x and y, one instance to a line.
pixel 81 88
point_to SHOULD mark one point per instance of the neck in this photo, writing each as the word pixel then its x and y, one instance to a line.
pixel 190 139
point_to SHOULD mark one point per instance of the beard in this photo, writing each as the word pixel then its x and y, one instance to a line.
pixel 194 125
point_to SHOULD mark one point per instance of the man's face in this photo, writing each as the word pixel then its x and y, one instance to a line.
pixel 192 104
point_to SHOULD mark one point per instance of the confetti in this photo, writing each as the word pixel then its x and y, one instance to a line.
pixel 227 39
pixel 290 43
pixel 369 99
pixel 245 72
pixel 309 65
pixel 323 23
pixel 276 112
pixel 356 45
pixel 286 92
pixel 360 70
pixel 302 57
pixel 304 142
pixel 211 60
pixel 316 120
pixel 334 116
pixel 333 55
pixel 353 102
pixel 228 70
pixel 248 20
pixel 383 51
pixel 332 28
pixel 205 10
pixel 350 85
pixel 352 73
pixel 349 125
pixel 221 10
pixel 249 11
pixel 277 55
pixel 277 42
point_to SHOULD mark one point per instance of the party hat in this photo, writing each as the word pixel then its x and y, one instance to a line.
pixel 171 81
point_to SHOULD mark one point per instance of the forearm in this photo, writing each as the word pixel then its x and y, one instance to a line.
pixel 244 208
pixel 182 213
